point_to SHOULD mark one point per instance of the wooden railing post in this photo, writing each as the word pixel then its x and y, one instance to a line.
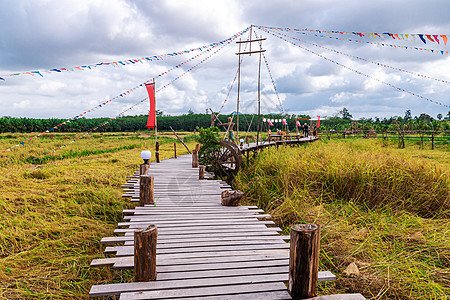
pixel 145 254
pixel 143 169
pixel 195 156
pixel 146 188
pixel 175 149
pixel 201 172
pixel 304 260
pixel 157 152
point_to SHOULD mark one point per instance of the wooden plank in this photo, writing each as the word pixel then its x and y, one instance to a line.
pixel 168 239
pixel 208 229
pixel 193 223
pixel 186 285
pixel 280 253
pixel 188 223
pixel 192 244
pixel 272 295
pixel 186 217
pixel 339 297
pixel 210 291
pixel 129 250
pixel 166 260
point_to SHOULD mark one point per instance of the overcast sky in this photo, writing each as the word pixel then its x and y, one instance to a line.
pixel 47 34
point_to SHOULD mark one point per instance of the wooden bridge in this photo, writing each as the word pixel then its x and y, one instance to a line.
pixel 204 250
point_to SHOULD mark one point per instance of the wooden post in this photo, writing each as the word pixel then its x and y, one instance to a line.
pixel 304 261
pixel 146 188
pixel 145 254
pixel 143 169
pixel 432 141
pixel 195 156
pixel 175 149
pixel 201 172
pixel 157 152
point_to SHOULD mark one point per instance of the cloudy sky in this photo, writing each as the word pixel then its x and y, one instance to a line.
pixel 54 34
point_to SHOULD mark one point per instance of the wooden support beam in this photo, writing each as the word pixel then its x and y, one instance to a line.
pixel 174 149
pixel 304 260
pixel 145 254
pixel 146 190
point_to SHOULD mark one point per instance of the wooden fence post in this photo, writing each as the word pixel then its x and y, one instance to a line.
pixel 175 149
pixel 145 254
pixel 157 152
pixel 432 140
pixel 143 169
pixel 195 156
pixel 146 188
pixel 304 260
pixel 201 172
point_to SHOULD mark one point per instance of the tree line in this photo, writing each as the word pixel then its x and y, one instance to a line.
pixel 247 122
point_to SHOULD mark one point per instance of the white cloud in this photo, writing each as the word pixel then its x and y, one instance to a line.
pixel 40 35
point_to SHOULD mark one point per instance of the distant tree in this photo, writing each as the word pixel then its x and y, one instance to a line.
pixel 439 116
pixel 345 114
pixel 407 116
pixel 190 112
pixel 159 113
pixel 448 116
pixel 425 117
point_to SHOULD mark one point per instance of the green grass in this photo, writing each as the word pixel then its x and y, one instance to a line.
pixel 55 210
pixel 386 209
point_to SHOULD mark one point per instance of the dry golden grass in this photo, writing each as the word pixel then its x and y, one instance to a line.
pixel 55 209
pixel 385 209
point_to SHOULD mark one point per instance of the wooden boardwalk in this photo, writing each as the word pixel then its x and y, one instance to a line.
pixel 204 250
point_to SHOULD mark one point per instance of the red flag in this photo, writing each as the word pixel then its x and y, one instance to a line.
pixel 151 96
pixel 318 121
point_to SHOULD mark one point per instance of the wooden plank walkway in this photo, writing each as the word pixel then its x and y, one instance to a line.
pixel 204 250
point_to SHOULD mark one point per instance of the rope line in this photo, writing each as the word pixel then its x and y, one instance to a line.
pixel 360 73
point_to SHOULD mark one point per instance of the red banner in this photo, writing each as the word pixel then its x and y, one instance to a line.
pixel 318 121
pixel 151 96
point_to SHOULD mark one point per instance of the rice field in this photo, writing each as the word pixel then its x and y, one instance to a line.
pixel 384 212
pixel 56 206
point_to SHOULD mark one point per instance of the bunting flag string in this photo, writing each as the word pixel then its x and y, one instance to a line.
pixel 410 37
pixel 356 71
pixel 435 51
pixel 271 78
pixel 228 41
pixel 118 63
pixel 366 60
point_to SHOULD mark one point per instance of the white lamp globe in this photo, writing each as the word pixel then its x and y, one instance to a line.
pixel 264 120
pixel 146 155
pixel 241 140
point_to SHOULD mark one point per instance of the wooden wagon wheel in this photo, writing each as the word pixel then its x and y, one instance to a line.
pixel 227 160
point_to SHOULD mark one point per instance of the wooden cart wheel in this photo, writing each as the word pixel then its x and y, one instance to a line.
pixel 227 160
